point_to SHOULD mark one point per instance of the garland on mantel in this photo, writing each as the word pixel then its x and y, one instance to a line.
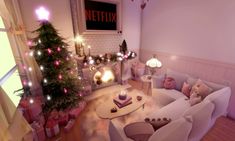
pixel 122 55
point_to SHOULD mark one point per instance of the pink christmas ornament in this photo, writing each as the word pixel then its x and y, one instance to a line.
pixel 58 49
pixel 25 82
pixel 57 63
pixel 60 76
pixel 29 43
pixel 65 90
pixel 49 51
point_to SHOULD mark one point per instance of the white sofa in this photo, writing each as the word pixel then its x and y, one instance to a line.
pixel 189 123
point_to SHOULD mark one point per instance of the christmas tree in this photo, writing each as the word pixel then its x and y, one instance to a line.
pixel 61 83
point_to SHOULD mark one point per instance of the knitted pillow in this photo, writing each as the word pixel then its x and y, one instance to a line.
pixel 169 83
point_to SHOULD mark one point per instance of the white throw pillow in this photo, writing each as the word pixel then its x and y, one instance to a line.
pixel 201 114
pixel 177 130
pixel 191 80
pixel 180 78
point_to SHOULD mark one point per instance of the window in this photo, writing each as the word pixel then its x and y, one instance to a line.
pixel 9 75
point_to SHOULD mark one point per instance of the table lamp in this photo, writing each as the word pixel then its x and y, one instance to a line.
pixel 153 64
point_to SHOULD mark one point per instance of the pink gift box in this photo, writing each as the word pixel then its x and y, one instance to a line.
pixel 76 111
pixel 63 118
pixel 69 125
pixel 52 128
pixel 38 132
pixel 40 119
pixel 30 111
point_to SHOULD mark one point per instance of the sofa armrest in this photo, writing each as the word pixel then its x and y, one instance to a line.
pixel 114 135
pixel 221 100
pixel 157 81
pixel 177 130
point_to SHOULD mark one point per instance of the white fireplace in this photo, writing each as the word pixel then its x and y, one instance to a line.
pixel 103 75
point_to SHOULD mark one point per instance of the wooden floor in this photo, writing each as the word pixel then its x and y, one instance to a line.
pixel 223 130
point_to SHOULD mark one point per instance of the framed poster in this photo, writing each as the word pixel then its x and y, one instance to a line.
pixel 96 16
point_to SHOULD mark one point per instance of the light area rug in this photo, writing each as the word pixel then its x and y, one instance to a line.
pixel 94 128
pixel 105 91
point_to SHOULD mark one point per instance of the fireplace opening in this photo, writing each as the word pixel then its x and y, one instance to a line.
pixel 104 76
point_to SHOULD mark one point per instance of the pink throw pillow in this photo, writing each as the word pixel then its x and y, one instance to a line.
pixel 169 83
pixel 186 89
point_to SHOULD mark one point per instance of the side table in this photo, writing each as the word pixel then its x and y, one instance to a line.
pixel 147 79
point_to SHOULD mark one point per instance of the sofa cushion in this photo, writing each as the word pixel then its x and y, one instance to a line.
pixel 173 110
pixel 214 86
pixel 171 93
pixel 191 80
pixel 177 130
pixel 186 88
pixel 201 88
pixel 201 114
pixel 139 131
pixel 169 83
pixel 180 78
pixel 157 123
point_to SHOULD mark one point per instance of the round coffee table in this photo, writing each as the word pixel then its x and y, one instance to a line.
pixel 104 110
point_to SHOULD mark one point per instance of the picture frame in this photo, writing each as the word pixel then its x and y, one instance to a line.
pixel 96 16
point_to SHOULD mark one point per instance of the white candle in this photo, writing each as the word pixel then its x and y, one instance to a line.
pixel 89 50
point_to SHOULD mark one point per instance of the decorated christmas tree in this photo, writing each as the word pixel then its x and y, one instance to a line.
pixel 61 83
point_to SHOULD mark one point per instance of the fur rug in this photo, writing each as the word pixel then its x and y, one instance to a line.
pixel 96 129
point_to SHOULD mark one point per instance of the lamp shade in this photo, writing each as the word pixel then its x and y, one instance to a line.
pixel 154 62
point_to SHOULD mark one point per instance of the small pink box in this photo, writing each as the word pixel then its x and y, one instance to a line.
pixel 63 118
pixel 76 111
pixel 69 125
pixel 38 132
pixel 52 128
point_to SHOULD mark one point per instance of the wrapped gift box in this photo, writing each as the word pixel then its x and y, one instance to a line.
pixel 73 113
pixel 30 111
pixel 69 125
pixel 54 115
pixel 40 119
pixel 63 118
pixel 38 132
pixel 52 128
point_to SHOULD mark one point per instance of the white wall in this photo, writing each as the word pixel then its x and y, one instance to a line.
pixel 60 16
pixel 196 28
pixel 61 19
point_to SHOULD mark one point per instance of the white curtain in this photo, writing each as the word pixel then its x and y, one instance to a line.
pixel 10 13
pixel 13 127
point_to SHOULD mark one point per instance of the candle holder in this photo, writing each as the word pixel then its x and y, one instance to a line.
pixel 123 95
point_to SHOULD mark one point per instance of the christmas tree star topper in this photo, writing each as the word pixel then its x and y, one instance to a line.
pixel 42 14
